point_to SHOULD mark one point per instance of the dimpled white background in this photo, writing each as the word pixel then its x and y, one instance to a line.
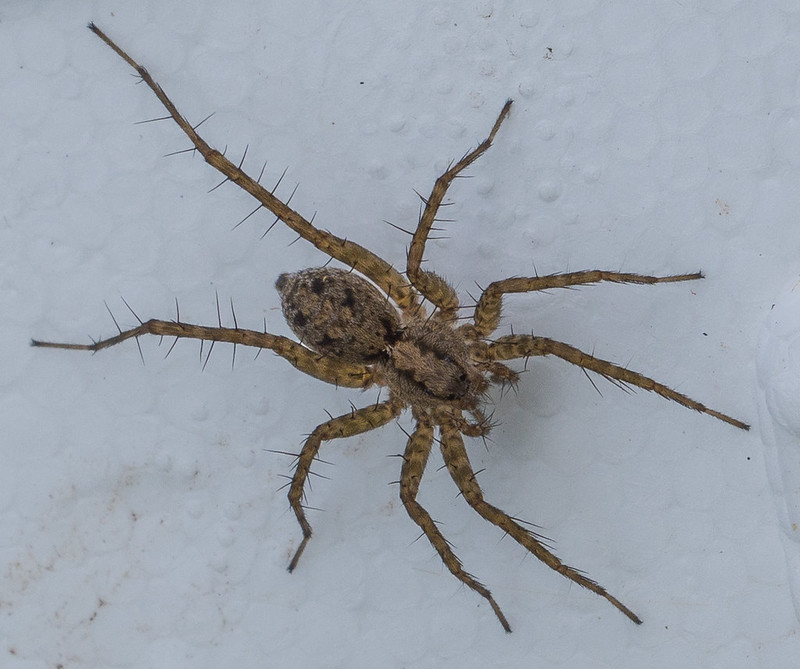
pixel 141 518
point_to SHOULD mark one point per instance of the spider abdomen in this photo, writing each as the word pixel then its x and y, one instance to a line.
pixel 339 313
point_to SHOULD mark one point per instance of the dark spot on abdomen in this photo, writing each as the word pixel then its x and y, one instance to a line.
pixel 317 285
pixel 349 300
pixel 327 341
pixel 299 319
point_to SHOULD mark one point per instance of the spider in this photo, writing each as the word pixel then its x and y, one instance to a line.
pixel 367 326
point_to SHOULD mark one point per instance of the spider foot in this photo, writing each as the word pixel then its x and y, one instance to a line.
pixel 298 553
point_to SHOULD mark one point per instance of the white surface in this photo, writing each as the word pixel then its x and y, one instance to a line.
pixel 142 521
pixel 778 365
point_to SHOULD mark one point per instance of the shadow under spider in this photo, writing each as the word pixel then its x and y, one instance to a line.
pixel 357 333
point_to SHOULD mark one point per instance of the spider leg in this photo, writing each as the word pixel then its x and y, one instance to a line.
pixel 430 284
pixel 324 368
pixel 351 254
pixel 487 311
pixel 346 425
pixel 523 346
pixel 457 461
pixel 479 427
pixel 414 460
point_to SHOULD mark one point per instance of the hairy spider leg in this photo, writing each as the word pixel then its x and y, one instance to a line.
pixel 431 285
pixel 415 459
pixel 347 425
pixel 326 369
pixel 351 254
pixel 457 461
pixel 524 346
pixel 489 307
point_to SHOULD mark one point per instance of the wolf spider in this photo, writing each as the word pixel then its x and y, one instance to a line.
pixel 371 328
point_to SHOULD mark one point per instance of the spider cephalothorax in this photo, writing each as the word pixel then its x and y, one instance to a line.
pixel 367 326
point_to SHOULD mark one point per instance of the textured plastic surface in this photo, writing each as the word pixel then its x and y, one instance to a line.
pixel 779 377
pixel 141 518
